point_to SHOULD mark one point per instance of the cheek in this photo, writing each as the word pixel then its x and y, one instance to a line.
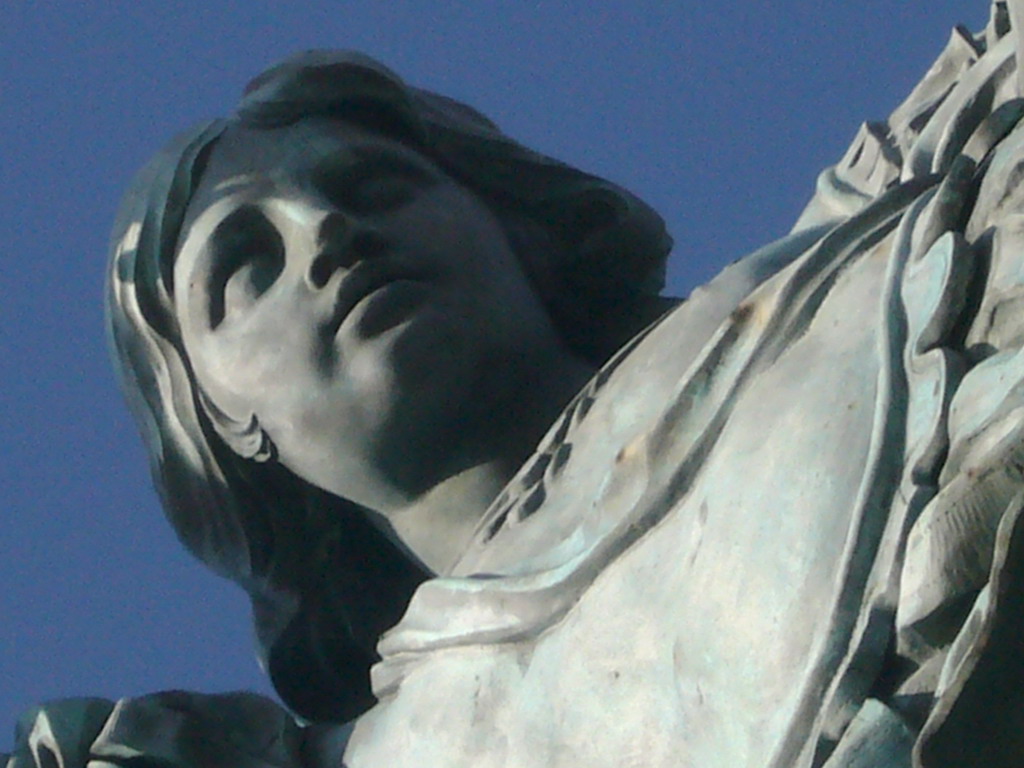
pixel 476 249
pixel 258 369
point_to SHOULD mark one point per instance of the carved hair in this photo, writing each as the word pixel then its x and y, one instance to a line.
pixel 323 582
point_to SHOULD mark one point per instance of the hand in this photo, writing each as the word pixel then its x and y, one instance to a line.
pixel 58 734
pixel 172 729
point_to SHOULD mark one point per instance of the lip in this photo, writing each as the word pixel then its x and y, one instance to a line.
pixel 365 279
pixel 388 306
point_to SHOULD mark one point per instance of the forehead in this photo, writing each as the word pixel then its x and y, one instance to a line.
pixel 285 156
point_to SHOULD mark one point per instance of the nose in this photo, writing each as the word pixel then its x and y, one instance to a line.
pixel 341 244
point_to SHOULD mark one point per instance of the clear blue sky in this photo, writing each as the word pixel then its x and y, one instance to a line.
pixel 720 114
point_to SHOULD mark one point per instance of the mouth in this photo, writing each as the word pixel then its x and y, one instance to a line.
pixel 360 288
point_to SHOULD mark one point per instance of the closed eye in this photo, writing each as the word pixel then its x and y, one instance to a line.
pixel 375 182
pixel 378 193
pixel 248 257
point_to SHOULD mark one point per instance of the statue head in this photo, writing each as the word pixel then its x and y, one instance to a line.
pixel 324 582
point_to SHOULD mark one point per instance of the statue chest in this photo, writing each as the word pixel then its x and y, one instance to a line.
pixel 701 635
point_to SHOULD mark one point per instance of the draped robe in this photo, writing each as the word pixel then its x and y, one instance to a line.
pixel 776 528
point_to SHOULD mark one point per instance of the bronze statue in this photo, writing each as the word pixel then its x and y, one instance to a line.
pixel 498 503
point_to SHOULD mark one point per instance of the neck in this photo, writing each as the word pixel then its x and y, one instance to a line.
pixel 436 525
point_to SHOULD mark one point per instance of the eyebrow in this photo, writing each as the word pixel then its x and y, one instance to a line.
pixel 239 180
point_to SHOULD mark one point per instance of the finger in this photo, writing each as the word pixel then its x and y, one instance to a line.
pixel 44 747
pixel 59 734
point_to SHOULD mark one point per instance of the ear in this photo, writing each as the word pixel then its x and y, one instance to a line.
pixel 245 438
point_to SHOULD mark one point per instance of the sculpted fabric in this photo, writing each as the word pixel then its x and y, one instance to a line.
pixel 773 568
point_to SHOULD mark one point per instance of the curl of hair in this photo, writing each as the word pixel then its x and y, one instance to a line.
pixel 324 583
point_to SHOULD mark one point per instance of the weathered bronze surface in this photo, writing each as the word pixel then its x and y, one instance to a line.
pixel 498 503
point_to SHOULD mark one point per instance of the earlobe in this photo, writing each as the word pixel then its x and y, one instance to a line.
pixel 246 438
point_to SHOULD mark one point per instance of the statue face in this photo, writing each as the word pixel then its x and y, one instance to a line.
pixel 360 302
